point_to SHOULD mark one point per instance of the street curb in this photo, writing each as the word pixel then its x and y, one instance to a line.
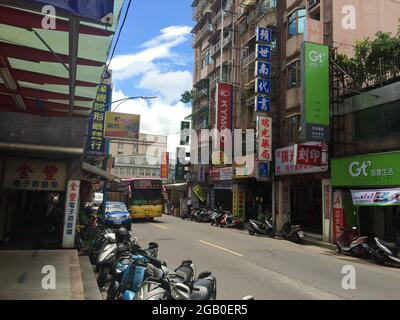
pixel 325 245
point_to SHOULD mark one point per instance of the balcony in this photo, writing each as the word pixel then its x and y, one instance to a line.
pixel 247 77
pixel 266 6
pixel 200 94
pixel 198 10
pixel 293 45
pixel 251 57
pixel 217 47
pixel 207 28
pixel 293 98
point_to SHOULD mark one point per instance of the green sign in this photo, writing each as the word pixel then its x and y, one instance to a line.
pixel 315 86
pixel 380 169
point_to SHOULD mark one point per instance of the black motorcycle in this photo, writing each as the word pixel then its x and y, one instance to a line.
pixel 293 233
pixel 262 228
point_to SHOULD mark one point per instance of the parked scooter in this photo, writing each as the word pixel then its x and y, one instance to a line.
pixel 230 221
pixel 216 217
pixel 262 228
pixel 386 251
pixel 349 241
pixel 292 233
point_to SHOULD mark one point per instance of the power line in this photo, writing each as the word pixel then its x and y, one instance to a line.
pixel 117 40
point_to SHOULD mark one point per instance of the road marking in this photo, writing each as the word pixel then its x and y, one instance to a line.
pixel 161 227
pixel 221 248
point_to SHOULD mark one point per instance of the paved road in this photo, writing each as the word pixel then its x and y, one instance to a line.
pixel 263 267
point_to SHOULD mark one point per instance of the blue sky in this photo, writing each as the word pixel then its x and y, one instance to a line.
pixel 154 57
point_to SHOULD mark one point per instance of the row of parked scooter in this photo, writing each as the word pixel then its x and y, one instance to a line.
pixel 349 241
pixel 130 272
pixel 224 218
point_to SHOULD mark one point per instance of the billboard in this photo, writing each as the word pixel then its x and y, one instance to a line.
pixel 314 31
pixel 121 126
pixel 315 87
pixel 96 10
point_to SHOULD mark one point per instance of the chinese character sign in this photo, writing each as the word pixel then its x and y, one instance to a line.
pixel 71 212
pixel 263 86
pixel 263 104
pixel 263 69
pixel 28 174
pixel 264 35
pixel 308 155
pixel 164 165
pixel 264 133
pixel 95 140
pixel 263 52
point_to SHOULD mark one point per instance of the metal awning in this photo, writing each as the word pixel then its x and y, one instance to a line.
pixel 52 72
pixel 104 175
pixel 176 186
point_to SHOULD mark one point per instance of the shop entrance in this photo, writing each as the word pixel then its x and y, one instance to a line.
pixel 306 205
pixel 223 198
pixel 34 220
pixel 381 222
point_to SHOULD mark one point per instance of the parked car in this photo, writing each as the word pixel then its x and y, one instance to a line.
pixel 116 215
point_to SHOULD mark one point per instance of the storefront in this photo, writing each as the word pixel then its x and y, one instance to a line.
pixel 368 188
pixel 301 169
pixel 221 193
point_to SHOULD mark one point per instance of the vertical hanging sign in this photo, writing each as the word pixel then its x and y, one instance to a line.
pixel 164 165
pixel 224 107
pixel 71 212
pixel 263 70
pixel 264 134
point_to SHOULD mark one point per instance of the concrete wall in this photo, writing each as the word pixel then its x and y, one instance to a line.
pixel 33 129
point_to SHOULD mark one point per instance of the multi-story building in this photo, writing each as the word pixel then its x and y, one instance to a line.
pixel 297 191
pixel 151 144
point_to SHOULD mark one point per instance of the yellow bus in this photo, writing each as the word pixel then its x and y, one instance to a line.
pixel 143 197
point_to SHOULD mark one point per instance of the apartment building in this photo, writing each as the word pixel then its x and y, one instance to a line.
pixel 304 35
pixel 151 144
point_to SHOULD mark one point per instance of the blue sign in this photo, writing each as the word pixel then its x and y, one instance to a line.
pixel 263 104
pixel 263 52
pixel 264 35
pixel 263 69
pixel 95 141
pixel 97 10
pixel 263 86
pixel 264 169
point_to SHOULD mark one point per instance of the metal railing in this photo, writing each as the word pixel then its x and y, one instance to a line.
pixel 249 59
pixel 208 27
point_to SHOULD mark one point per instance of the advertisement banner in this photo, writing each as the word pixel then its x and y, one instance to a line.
pixel 96 10
pixel 122 125
pixel 71 212
pixel 338 214
pixel 225 173
pixel 285 161
pixel 28 174
pixel 95 141
pixel 315 87
pixel 380 169
pixel 164 165
pixel 378 197
pixel 264 134
pixel 199 192
pixel 224 107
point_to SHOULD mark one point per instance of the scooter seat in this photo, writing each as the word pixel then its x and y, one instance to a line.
pixel 184 273
pixel 201 290
pixel 389 245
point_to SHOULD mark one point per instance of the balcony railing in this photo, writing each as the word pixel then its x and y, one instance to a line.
pixel 266 6
pixel 217 47
pixel 198 10
pixel 249 59
pixel 208 27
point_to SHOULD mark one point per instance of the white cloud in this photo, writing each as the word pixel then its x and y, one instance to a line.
pixel 170 85
pixel 156 116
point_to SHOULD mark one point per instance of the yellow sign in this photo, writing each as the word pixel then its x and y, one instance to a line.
pixel 145 211
pixel 121 125
pixel 199 192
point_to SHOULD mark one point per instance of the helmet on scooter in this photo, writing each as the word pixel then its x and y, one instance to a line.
pixel 122 234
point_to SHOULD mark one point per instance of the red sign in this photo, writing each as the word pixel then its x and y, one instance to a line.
pixel 264 138
pixel 309 155
pixel 224 107
pixel 24 171
pixel 215 174
pixel 165 165
pixel 338 217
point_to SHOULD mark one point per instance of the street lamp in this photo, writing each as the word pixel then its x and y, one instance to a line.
pixel 121 101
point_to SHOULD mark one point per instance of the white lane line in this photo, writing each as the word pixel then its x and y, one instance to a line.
pixel 159 226
pixel 221 248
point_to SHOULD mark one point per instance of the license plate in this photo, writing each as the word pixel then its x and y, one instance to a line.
pixel 301 234
pixel 117 222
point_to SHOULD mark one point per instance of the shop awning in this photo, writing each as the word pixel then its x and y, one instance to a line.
pixel 51 72
pixel 99 173
pixel 176 186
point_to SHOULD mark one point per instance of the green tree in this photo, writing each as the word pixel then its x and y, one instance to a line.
pixel 187 96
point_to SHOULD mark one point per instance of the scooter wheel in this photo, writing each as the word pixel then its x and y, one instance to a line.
pixel 338 250
pixel 379 257
pixel 251 233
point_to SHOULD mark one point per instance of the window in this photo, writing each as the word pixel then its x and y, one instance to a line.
pixel 293 75
pixel 120 148
pixel 293 126
pixel 296 23
pixel 206 59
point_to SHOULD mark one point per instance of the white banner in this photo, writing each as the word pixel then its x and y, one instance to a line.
pixel 71 212
pixel 376 197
